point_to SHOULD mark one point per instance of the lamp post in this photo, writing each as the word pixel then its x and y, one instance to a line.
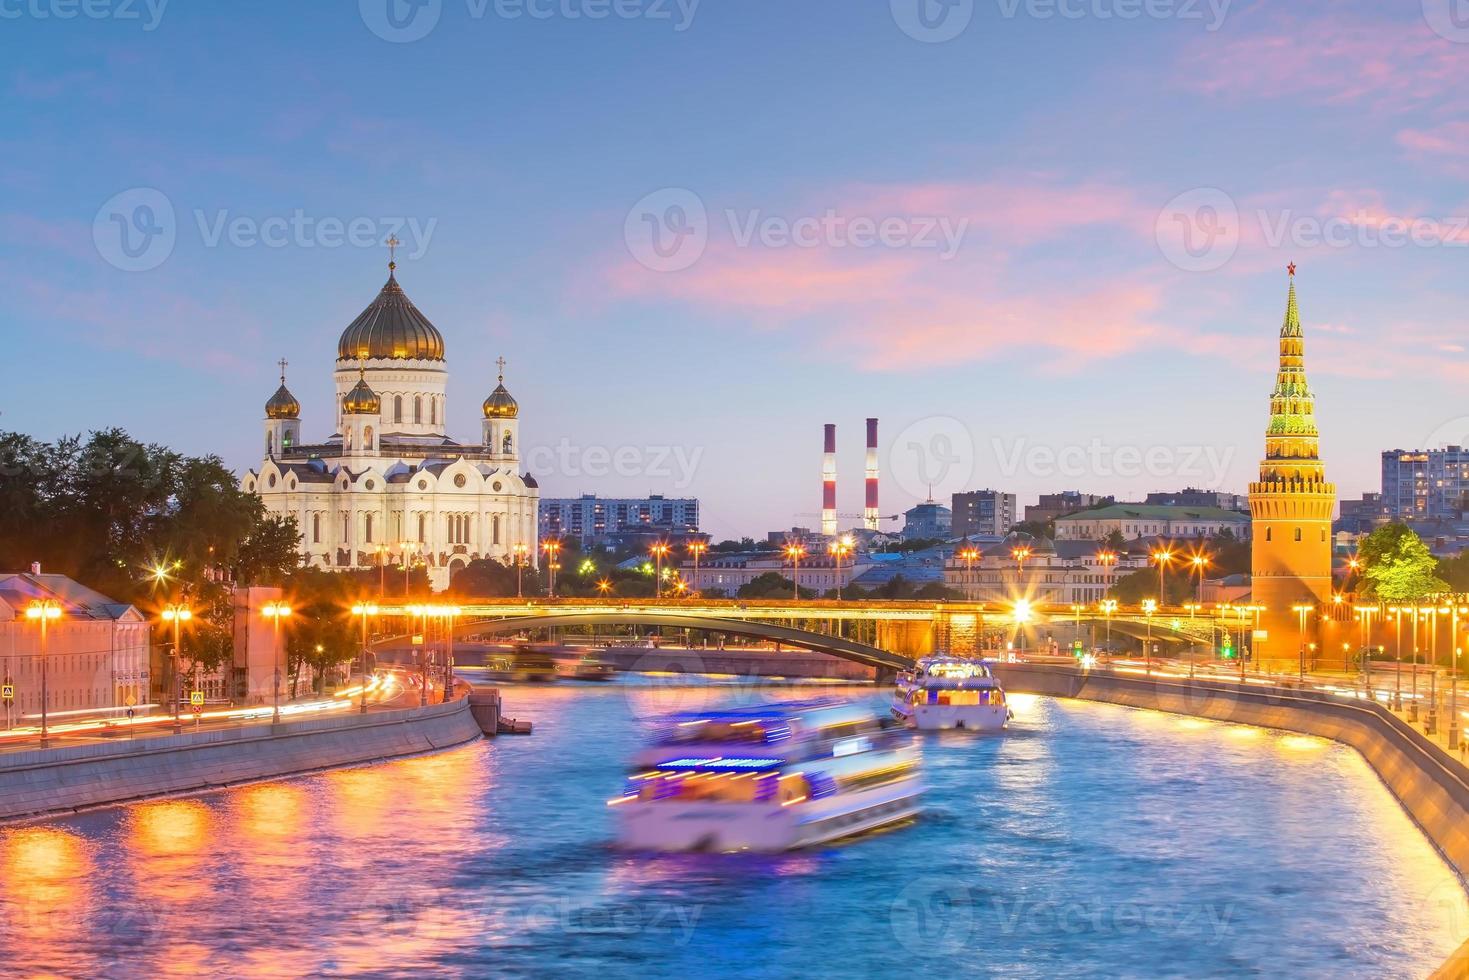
pixel 658 550
pixel 520 551
pixel 1163 557
pixel 1109 609
pixel 697 549
pixel 552 550
pixel 1397 697
pixel 1366 614
pixel 839 549
pixel 968 554
pixel 1454 702
pixel 1200 563
pixel 407 546
pixel 1020 553
pixel 795 552
pixel 42 612
pixel 1149 608
pixel 364 609
pixel 1413 680
pixel 176 614
pixel 1302 612
pixel 382 570
pixel 450 612
pixel 1107 558
pixel 277 611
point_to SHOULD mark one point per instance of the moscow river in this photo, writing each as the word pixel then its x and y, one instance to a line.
pixel 1088 841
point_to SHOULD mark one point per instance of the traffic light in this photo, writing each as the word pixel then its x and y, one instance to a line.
pixel 1227 651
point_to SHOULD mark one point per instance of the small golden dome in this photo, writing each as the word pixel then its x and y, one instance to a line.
pixel 282 404
pixel 362 400
pixel 500 405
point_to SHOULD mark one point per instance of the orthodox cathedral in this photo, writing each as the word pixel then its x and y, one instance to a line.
pixel 389 485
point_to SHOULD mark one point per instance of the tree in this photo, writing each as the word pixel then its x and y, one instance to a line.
pixel 1455 571
pixel 1133 589
pixel 1115 541
pixel 321 633
pixel 772 585
pixel 1397 566
pixel 490 579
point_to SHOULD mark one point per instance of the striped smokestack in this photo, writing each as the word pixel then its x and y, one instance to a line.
pixel 829 482
pixel 869 511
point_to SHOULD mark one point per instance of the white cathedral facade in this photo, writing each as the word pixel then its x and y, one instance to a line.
pixel 389 485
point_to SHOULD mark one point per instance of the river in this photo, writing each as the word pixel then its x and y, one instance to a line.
pixel 1089 840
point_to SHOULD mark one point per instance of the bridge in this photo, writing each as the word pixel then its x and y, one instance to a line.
pixel 886 634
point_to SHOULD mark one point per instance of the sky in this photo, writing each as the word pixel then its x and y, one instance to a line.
pixel 1043 241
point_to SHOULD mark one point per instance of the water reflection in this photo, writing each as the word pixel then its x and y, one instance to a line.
pixel 1234 850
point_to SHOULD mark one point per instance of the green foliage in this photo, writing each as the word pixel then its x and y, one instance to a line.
pixel 320 632
pixel 1142 584
pixel 1455 571
pixel 1397 566
pixel 1229 555
pixel 487 578
pixel 907 547
pixel 772 585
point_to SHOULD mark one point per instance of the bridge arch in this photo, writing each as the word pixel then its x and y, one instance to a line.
pixel 836 646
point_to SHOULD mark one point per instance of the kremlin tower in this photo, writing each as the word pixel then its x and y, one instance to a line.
pixel 1292 506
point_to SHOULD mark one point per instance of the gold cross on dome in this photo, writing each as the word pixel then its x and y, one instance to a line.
pixel 283 362
pixel 501 362
pixel 393 244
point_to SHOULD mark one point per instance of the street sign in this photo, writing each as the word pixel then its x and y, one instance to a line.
pixel 196 699
pixel 8 692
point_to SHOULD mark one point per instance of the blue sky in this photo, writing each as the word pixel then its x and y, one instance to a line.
pixel 1044 241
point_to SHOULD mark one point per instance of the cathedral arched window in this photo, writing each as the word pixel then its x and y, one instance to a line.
pixel 270 444
pixel 347 439
pixel 1298 534
pixel 1269 534
pixel 417 408
pixel 507 444
pixel 420 528
pixel 495 528
pixel 316 529
pixel 433 411
pixel 367 438
pixel 397 408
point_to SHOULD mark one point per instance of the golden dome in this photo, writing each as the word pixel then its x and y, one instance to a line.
pixel 362 400
pixel 500 405
pixel 282 404
pixel 391 328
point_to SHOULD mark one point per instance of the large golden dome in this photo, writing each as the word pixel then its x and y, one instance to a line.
pixel 391 327
pixel 361 400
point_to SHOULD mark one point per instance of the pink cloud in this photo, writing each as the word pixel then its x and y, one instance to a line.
pixel 1445 145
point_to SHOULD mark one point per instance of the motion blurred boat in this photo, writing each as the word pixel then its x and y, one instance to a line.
pixel 768 778
pixel 946 692
pixel 587 668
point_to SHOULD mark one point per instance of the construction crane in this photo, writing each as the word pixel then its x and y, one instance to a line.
pixel 851 517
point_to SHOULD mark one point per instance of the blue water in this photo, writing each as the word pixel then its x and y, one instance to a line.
pixel 1088 841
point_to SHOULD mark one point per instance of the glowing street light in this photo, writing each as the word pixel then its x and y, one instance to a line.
pixel 1108 559
pixel 840 548
pixel 364 609
pixel 968 554
pixel 42 612
pixel 1149 609
pixel 521 551
pixel 1163 557
pixel 697 549
pixel 1020 553
pixel 176 614
pixel 1200 564
pixel 552 549
pixel 658 551
pixel 276 611
pixel 795 552
pixel 604 587
pixel 1109 609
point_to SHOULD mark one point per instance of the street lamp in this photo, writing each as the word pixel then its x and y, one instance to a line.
pixel 42 612
pixel 364 609
pixel 1020 553
pixel 176 614
pixel 1163 557
pixel 382 569
pixel 605 587
pixel 1200 563
pixel 407 546
pixel 697 549
pixel 1022 614
pixel 1149 608
pixel 520 551
pixel 795 552
pixel 1109 609
pixel 277 611
pixel 1397 618
pixel 552 550
pixel 969 554
pixel 1302 611
pixel 450 612
pixel 1107 558
pixel 839 549
pixel 658 551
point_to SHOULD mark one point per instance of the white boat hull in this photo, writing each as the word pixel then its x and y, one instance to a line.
pixel 671 825
pixel 957 717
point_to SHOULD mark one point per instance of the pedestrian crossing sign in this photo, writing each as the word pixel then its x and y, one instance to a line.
pixel 196 698
pixel 8 692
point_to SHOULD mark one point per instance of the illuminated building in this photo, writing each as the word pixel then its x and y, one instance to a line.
pixel 1291 506
pixel 389 486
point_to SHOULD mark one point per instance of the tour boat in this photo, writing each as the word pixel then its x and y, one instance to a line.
pixel 587 668
pixel 768 778
pixel 950 693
